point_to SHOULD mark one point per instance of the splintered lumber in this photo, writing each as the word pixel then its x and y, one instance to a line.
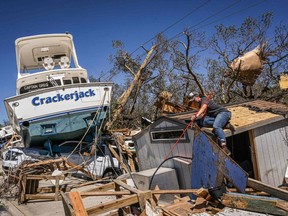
pixel 128 192
pixel 123 165
pixel 81 169
pixel 40 196
pixel 88 183
pixel 282 205
pixel 200 205
pixel 260 186
pixel 105 187
pixel 62 159
pixel 151 210
pixel 180 208
pixel 267 205
pixel 45 177
pixel 142 196
pixel 77 203
pixel 105 193
pixel 183 191
pixel 67 205
pixel 127 187
pixel 112 205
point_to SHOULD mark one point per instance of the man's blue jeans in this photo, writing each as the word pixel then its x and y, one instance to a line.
pixel 218 123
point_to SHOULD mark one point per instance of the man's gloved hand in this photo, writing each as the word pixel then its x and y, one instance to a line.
pixel 193 118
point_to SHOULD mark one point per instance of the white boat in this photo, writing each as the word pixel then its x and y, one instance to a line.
pixel 54 98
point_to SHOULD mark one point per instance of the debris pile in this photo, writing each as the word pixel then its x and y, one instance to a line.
pixel 129 200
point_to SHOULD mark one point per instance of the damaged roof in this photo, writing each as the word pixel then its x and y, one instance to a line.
pixel 248 115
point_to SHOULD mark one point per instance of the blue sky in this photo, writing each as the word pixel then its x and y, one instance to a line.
pixel 94 24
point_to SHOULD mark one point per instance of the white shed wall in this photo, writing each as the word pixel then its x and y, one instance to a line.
pixel 151 155
pixel 272 152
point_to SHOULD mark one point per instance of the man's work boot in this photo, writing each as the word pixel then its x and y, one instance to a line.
pixel 225 149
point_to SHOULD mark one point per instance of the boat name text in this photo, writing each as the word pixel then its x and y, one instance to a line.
pixel 37 101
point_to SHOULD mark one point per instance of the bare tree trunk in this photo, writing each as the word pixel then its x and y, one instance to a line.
pixel 121 102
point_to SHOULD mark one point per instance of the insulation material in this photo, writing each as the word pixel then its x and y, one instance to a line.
pixel 249 66
pixel 283 81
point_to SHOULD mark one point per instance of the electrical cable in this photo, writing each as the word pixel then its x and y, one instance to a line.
pixel 176 156
pixel 225 17
pixel 170 26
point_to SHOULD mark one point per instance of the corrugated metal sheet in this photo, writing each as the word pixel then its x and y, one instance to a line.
pixel 272 152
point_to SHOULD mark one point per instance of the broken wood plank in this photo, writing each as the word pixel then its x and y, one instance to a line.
pixel 57 194
pixel 62 159
pixel 142 196
pixel 200 205
pixel 40 196
pixel 155 196
pixel 123 165
pixel 78 167
pixel 181 191
pixel 45 177
pixel 152 211
pixel 131 161
pixel 105 193
pixel 89 183
pixel 202 192
pixel 67 205
pixel 108 186
pixel 282 205
pixel 127 187
pixel 77 204
pixel 266 205
pixel 111 205
pixel 260 186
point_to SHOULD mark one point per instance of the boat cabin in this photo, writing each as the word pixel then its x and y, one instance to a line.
pixel 45 61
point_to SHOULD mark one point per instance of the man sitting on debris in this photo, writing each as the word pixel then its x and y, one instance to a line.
pixel 211 114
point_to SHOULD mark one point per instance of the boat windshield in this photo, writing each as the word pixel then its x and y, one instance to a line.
pixel 50 83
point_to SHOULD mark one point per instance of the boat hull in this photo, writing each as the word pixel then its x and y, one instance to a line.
pixel 60 113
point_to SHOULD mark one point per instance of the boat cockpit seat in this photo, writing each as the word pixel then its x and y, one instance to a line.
pixel 48 63
pixel 64 62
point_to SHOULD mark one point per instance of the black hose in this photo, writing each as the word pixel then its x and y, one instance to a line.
pixel 176 156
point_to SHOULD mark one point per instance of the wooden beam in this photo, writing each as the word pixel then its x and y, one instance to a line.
pixel 142 198
pixel 67 205
pixel 88 183
pixel 127 187
pixel 62 159
pixel 45 177
pixel 184 191
pixel 40 196
pixel 266 205
pixel 105 193
pixel 254 155
pixel 118 158
pixel 109 186
pixel 78 167
pixel 112 205
pixel 77 204
pixel 260 186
